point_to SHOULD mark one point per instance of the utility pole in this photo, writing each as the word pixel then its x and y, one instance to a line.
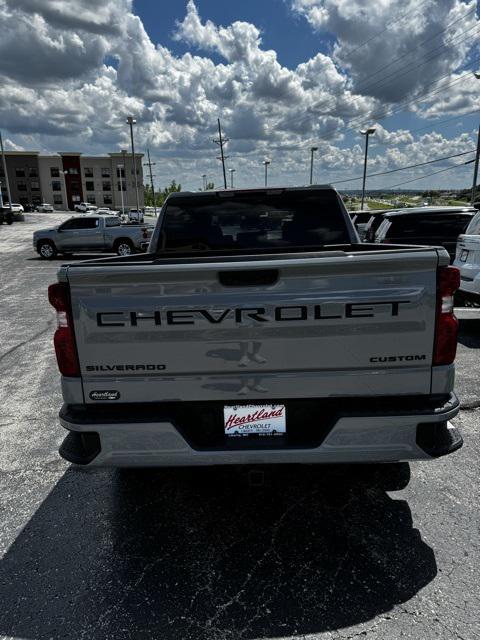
pixel 367 132
pixel 150 165
pixel 312 150
pixel 222 141
pixel 232 171
pixel 475 171
pixel 266 163
pixel 7 182
pixel 131 121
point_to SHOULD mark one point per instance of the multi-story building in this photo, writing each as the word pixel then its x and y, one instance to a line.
pixel 23 177
pixel 65 179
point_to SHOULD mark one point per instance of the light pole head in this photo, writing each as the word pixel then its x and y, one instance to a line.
pixel 266 162
pixel 368 132
pixel 131 120
pixel 313 149
pixel 477 74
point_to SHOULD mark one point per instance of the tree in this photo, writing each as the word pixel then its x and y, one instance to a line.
pixel 161 196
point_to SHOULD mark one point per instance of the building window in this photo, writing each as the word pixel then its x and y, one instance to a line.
pixel 106 185
pixel 73 171
pixel 20 173
pixel 35 185
pixel 88 172
pixel 105 172
pixel 56 185
pixel 91 199
pixel 107 199
pixel 90 186
pixel 21 186
pixel 75 198
pixel 57 199
pixel 54 172
pixel 33 172
pixel 121 185
pixel 120 172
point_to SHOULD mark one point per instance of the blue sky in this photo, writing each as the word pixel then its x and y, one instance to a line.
pixel 283 76
pixel 284 32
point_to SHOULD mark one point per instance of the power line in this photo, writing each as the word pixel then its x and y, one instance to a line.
pixel 411 166
pixel 355 122
pixel 398 18
pixel 410 51
pixel 427 175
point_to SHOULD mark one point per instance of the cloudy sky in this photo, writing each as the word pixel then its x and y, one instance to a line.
pixel 283 75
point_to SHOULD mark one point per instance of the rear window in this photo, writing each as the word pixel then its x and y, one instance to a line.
pixel 112 222
pixel 433 225
pixel 236 222
pixel 473 228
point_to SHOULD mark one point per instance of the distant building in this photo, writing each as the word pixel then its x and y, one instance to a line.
pixel 70 177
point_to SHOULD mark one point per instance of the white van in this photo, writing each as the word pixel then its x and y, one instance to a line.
pixel 467 259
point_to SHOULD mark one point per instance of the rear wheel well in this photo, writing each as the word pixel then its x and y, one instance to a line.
pixel 119 241
pixel 45 241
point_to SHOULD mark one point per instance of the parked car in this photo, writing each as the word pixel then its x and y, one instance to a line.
pixel 91 233
pixel 44 208
pixel 374 223
pixel 17 208
pixel 106 211
pixel 6 215
pixel 232 344
pixel 83 207
pixel 135 215
pixel 467 259
pixel 435 226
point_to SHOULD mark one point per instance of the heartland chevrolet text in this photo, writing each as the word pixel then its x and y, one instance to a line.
pixel 257 329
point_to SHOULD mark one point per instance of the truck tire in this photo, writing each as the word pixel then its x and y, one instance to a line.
pixel 123 247
pixel 46 249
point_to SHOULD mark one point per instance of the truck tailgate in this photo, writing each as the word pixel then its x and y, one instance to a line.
pixel 339 324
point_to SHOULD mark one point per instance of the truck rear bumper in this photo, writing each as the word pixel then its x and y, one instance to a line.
pixel 353 430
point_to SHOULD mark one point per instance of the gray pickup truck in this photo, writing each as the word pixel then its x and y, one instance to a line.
pixel 258 329
pixel 93 234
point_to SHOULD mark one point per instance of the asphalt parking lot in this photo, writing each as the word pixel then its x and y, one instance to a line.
pixel 313 553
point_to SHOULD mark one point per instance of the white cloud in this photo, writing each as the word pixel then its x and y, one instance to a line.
pixel 59 88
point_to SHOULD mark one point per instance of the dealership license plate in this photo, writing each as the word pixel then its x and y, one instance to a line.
pixel 255 419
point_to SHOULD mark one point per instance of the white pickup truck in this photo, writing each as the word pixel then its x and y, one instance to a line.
pixel 91 233
pixel 258 329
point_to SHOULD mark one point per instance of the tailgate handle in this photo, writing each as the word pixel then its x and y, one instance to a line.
pixel 253 278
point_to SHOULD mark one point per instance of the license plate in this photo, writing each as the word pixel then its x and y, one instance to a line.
pixel 259 419
pixel 464 255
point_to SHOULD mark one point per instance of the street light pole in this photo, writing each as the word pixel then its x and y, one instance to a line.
pixel 124 154
pixel 204 178
pixel 7 182
pixel 232 171
pixel 312 151
pixel 366 132
pixel 131 121
pixel 266 163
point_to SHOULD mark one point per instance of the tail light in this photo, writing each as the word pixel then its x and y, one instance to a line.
pixel 445 347
pixel 64 338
